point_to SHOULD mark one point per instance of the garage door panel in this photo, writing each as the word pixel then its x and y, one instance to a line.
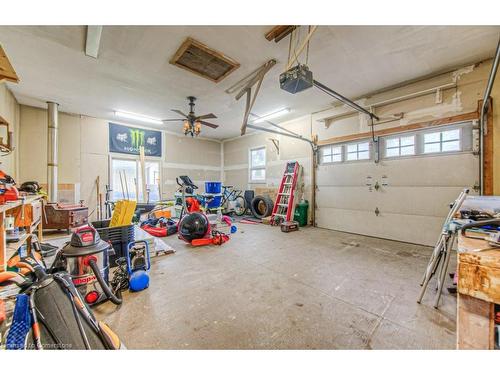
pixel 347 174
pixel 426 201
pixel 407 228
pixel 344 197
pixel 445 170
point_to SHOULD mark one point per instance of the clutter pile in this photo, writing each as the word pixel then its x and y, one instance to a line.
pixel 104 258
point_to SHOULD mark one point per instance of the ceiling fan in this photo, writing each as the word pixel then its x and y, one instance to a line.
pixel 192 123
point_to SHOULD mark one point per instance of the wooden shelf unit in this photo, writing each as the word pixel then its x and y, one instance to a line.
pixel 9 249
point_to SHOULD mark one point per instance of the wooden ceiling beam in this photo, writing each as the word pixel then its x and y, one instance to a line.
pixel 279 32
pixel 7 72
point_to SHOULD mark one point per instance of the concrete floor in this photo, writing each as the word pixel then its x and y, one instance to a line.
pixel 312 289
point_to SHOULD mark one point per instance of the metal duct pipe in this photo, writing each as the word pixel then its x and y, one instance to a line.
pixel 482 118
pixel 52 150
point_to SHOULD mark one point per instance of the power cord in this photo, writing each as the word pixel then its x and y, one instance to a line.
pixel 120 277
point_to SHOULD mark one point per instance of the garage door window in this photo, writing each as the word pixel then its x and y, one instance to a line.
pixel 331 154
pixel 258 165
pixel 444 141
pixel 400 146
pixel 358 151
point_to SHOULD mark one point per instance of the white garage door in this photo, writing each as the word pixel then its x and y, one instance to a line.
pixel 405 195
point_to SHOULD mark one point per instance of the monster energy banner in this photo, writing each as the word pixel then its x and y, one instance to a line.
pixel 127 140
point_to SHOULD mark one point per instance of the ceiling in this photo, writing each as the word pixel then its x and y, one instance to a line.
pixel 133 74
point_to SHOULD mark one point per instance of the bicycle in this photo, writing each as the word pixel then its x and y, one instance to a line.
pixel 233 200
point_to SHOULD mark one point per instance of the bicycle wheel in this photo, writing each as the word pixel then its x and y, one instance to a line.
pixel 240 206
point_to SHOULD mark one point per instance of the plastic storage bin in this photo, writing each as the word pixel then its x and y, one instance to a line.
pixel 118 236
pixel 213 187
pixel 215 202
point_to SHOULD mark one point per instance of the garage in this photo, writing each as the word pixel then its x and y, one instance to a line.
pixel 247 188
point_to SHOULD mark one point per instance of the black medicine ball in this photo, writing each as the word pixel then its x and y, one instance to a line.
pixel 193 226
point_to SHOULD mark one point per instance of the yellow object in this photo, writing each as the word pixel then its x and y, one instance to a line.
pixel 123 213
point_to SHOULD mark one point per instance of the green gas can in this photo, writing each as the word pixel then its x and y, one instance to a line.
pixel 300 213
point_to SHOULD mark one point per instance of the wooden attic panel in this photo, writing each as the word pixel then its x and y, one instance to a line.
pixel 203 61
pixel 6 70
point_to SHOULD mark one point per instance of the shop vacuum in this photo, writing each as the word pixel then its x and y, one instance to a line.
pixel 86 258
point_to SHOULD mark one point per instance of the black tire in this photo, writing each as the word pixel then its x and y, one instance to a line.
pixel 261 206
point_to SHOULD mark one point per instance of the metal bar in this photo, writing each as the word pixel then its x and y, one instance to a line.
pixel 52 148
pixel 343 99
pixel 278 126
pixel 484 109
pixel 281 133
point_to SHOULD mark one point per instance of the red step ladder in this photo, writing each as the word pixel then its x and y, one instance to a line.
pixel 283 207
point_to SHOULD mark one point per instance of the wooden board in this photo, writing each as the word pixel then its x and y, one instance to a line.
pixel 474 323
pixel 478 269
pixel 279 32
pixel 488 150
pixel 479 282
pixel 7 72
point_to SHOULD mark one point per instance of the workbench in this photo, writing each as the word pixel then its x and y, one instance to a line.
pixel 478 292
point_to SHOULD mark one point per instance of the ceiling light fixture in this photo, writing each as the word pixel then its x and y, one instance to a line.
pixel 276 114
pixel 138 117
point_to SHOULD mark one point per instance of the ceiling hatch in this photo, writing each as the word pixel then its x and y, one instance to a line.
pixel 203 61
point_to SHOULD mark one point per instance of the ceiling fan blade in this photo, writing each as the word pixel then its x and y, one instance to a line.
pixel 179 112
pixel 213 126
pixel 208 115
pixel 174 119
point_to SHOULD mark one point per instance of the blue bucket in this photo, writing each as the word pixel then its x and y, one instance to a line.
pixel 215 202
pixel 213 187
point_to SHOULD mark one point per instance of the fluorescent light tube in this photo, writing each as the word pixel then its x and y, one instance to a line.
pixel 136 116
pixel 276 114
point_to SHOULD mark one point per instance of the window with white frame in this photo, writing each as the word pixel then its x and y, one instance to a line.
pixel 331 154
pixel 442 141
pixel 400 146
pixel 257 165
pixel 126 179
pixel 358 151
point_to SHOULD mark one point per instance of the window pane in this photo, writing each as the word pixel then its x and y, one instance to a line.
pixel 152 181
pixel 327 151
pixel 258 175
pixel 407 141
pixel 352 148
pixel 337 158
pixel 408 150
pixel 451 146
pixel 326 159
pixel 363 146
pixel 432 147
pixel 258 158
pixel 121 185
pixel 390 152
pixel 337 150
pixel 393 142
pixel 352 156
pixel 451 135
pixel 432 137
pixel 363 155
